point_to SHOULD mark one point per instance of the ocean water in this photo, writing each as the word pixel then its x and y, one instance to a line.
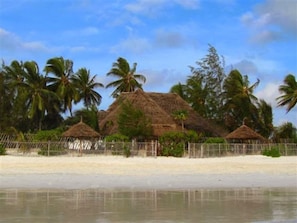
pixel 149 206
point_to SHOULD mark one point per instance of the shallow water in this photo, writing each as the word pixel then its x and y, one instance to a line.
pixel 149 206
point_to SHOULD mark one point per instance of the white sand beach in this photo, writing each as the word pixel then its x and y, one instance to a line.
pixel 111 172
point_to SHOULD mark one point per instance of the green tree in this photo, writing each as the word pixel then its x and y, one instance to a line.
pixel 196 94
pixel 286 132
pixel 86 85
pixel 210 75
pixel 127 78
pixel 181 115
pixel 61 81
pixel 89 116
pixel 133 122
pixel 179 89
pixel 6 101
pixel 35 86
pixel 265 119
pixel 239 103
pixel 14 97
pixel 289 92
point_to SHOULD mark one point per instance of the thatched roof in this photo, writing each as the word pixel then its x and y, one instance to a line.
pixel 81 131
pixel 158 107
pixel 244 133
pixel 172 102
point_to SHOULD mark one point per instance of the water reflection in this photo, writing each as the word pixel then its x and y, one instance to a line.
pixel 203 205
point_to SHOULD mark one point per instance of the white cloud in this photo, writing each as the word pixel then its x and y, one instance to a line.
pixel 11 42
pixel 266 36
pixel 146 6
pixel 153 7
pixel 272 20
pixel 269 93
pixel 246 67
pixel 133 44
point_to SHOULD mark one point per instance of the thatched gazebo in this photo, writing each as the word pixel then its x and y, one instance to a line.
pixel 81 131
pixel 244 134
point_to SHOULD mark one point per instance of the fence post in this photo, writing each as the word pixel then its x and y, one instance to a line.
pixel 48 148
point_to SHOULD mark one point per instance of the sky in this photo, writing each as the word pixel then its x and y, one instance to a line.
pixel 164 38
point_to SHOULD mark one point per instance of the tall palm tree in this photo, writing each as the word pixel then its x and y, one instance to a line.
pixel 289 92
pixel 127 77
pixel 239 102
pixel 38 95
pixel 85 85
pixel 15 99
pixel 61 81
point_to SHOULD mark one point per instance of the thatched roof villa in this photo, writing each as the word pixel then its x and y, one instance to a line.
pixel 159 107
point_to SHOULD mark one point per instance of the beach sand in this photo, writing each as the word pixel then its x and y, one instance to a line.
pixel 117 172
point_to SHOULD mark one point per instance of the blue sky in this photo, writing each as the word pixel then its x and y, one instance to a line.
pixel 164 37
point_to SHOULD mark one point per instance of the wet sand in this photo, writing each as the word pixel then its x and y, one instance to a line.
pixel 117 172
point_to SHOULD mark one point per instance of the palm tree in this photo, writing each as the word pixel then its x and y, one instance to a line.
pixel 15 96
pixel 85 85
pixel 127 78
pixel 181 115
pixel 37 93
pixel 239 102
pixel 179 89
pixel 61 82
pixel 289 90
pixel 265 118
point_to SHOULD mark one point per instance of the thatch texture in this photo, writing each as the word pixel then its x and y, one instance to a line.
pixel 171 102
pixel 244 133
pixel 159 108
pixel 81 131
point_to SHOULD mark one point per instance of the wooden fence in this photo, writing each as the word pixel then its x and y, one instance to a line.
pixel 142 149
pixel 202 150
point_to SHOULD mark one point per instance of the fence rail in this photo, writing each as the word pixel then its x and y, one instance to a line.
pixel 83 147
pixel 200 150
pixel 142 149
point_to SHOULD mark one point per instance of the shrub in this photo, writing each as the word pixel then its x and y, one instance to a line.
pixel 2 150
pixel 117 138
pixel 213 140
pixel 46 135
pixel 172 144
pixel 273 152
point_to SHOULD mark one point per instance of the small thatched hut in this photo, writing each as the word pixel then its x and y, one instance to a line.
pixel 244 134
pixel 81 131
pixel 159 107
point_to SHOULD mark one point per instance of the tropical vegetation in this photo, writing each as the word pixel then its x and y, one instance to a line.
pixel 127 78
pixel 34 99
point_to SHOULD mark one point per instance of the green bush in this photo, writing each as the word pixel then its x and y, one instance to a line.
pixel 116 138
pixel 213 140
pixel 2 150
pixel 273 152
pixel 47 135
pixel 172 144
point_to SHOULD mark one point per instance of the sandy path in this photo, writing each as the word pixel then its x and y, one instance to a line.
pixel 136 172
